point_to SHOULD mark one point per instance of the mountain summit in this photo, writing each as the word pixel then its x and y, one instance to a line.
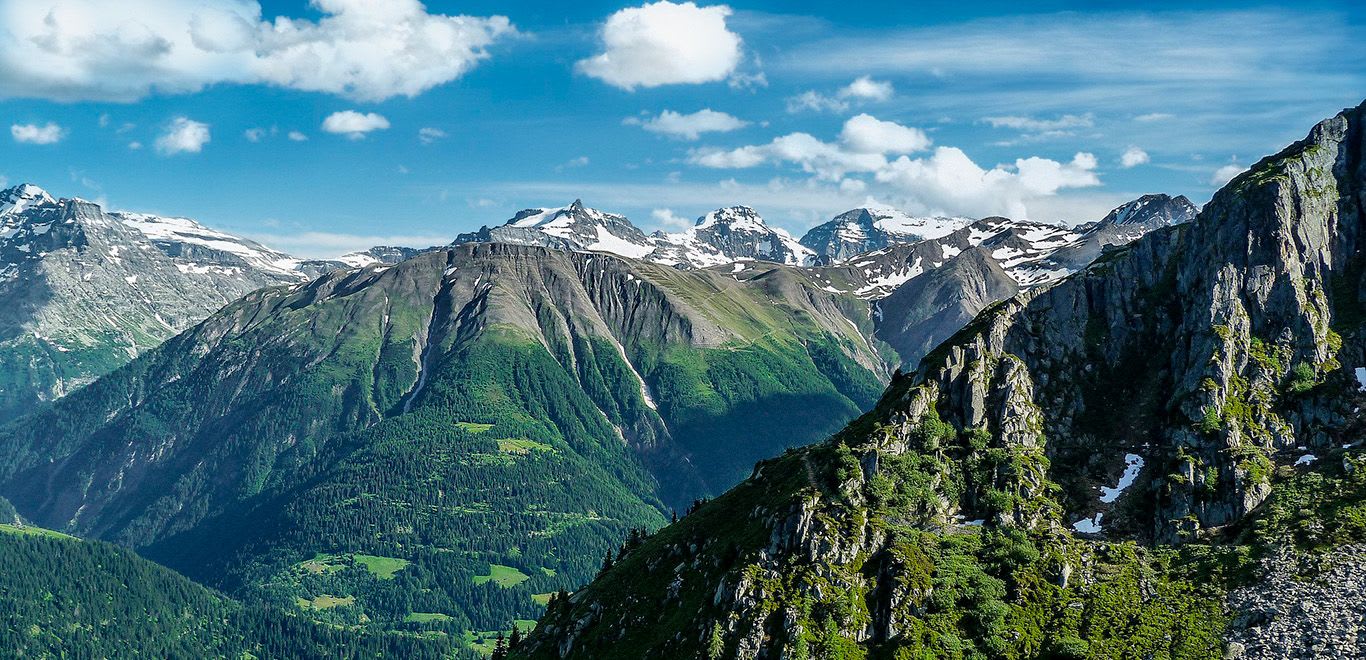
pixel 83 290
pixel 1132 462
pixel 874 228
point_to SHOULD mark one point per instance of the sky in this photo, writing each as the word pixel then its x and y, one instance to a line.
pixel 325 126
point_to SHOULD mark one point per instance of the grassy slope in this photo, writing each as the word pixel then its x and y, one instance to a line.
pixel 67 597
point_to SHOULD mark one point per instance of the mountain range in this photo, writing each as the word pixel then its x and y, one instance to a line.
pixel 1158 456
pixel 441 439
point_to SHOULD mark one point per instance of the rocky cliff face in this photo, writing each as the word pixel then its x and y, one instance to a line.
pixel 1195 392
pixel 83 291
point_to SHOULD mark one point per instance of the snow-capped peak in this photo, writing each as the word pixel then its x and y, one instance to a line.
pixel 1152 211
pixel 23 196
pixel 187 232
pixel 874 227
pixel 734 218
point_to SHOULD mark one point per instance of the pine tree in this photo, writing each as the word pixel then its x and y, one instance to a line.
pixel 606 563
pixel 500 648
pixel 516 639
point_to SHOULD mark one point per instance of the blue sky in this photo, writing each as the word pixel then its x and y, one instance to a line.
pixel 659 111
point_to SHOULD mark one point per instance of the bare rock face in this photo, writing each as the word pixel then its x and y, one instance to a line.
pixel 1302 607
pixel 83 291
pixel 1150 397
pixel 1189 346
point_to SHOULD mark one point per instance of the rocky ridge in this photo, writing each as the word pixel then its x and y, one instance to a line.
pixel 1200 370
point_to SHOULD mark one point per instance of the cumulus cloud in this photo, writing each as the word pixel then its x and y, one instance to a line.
pixel 354 125
pixel 949 181
pixel 867 134
pixel 183 136
pixel 665 43
pixel 428 135
pixel 48 133
pixel 864 88
pixel 864 143
pixel 688 127
pixel 297 136
pixel 946 181
pixel 1133 157
pixel 1225 174
pixel 70 50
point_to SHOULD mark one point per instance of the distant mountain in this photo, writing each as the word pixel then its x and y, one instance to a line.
pixel 1159 456
pixel 82 290
pixel 1124 225
pixel 723 236
pixel 873 228
pixel 380 254
pixel 485 412
pixel 925 291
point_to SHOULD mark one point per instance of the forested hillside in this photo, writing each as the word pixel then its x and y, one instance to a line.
pixel 443 443
pixel 63 597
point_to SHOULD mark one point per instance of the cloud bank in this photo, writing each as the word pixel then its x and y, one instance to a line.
pixel 75 50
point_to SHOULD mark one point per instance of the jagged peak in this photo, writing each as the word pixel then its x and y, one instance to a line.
pixel 16 199
pixel 734 217
pixel 1168 209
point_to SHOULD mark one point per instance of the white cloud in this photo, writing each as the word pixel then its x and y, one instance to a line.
pixel 864 141
pixel 71 50
pixel 354 125
pixel 1133 157
pixel 1032 125
pixel 945 182
pixel 428 135
pixel 184 135
pixel 864 87
pixel 664 43
pixel 667 219
pixel 579 161
pixel 867 134
pixel 747 82
pixel 49 133
pixel 256 134
pixel 1225 174
pixel 950 182
pixel 297 136
pixel 1154 116
pixel 323 245
pixel 815 101
pixel 135 145
pixel 688 127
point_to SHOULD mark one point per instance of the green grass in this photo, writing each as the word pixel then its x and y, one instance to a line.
pixel 521 446
pixel 30 530
pixel 324 602
pixel 503 576
pixel 542 599
pixel 383 568
pixel 474 427
pixel 426 617
pixel 321 564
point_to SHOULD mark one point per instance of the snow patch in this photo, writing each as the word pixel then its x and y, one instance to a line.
pixel 1133 464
